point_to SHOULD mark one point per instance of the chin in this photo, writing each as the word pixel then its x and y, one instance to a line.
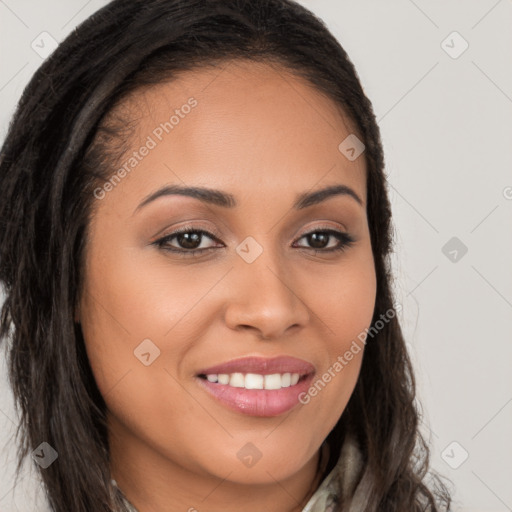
pixel 251 466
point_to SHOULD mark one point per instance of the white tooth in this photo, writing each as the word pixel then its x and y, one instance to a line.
pixel 295 378
pixel 237 380
pixel 253 381
pixel 212 377
pixel 223 378
pixel 285 380
pixel 273 381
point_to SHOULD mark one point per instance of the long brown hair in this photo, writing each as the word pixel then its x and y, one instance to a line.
pixel 56 152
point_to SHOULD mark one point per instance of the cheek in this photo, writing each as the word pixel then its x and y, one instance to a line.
pixel 344 299
pixel 147 294
pixel 132 296
pixel 345 305
pixel 122 311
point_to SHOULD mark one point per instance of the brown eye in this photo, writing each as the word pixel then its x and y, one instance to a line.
pixel 186 241
pixel 191 242
pixel 319 240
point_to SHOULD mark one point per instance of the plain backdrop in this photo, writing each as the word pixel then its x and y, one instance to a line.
pixel 445 113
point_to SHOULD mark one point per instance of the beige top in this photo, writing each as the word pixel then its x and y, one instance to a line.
pixel 338 485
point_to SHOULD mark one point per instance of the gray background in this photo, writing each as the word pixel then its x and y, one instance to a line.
pixel 446 131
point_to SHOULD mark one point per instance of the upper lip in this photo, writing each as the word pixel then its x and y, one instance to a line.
pixel 261 366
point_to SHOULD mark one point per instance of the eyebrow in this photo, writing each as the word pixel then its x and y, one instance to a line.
pixel 226 200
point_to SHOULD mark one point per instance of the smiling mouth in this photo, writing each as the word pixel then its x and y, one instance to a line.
pixel 256 394
pixel 273 381
pixel 258 386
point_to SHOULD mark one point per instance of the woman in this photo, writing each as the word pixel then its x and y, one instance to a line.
pixel 194 250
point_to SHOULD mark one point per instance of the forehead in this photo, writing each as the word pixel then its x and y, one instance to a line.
pixel 252 126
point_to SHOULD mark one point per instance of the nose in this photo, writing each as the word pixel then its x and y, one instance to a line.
pixel 264 298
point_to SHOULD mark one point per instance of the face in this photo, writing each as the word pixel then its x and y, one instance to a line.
pixel 267 278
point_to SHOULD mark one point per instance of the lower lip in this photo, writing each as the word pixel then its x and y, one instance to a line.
pixel 258 402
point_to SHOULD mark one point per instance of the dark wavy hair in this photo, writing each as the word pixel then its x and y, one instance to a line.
pixel 59 147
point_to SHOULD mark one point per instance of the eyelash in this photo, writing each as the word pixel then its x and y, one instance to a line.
pixel 345 240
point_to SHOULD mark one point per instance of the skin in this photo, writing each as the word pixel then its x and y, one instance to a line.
pixel 264 136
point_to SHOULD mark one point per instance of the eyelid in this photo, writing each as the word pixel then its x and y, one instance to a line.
pixel 213 232
pixel 210 231
pixel 324 227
